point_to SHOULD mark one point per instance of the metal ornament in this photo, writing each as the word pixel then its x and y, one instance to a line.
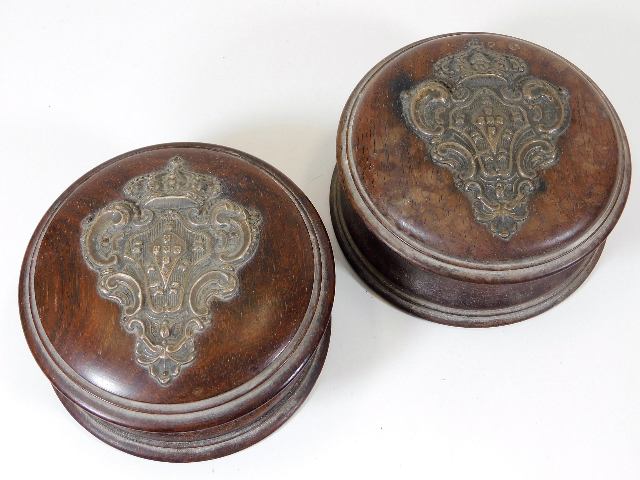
pixel 494 126
pixel 164 255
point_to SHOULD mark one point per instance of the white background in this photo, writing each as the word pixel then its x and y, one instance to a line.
pixel 554 397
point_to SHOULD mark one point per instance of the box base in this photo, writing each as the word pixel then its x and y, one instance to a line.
pixel 212 442
pixel 428 306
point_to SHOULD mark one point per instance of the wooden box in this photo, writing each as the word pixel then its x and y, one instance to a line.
pixel 178 298
pixel 478 177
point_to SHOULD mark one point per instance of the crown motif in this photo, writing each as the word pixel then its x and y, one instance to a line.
pixel 176 181
pixel 477 60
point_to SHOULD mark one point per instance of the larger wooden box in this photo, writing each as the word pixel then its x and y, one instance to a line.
pixel 178 298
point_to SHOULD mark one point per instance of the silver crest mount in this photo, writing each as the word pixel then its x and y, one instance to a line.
pixel 164 255
pixel 494 126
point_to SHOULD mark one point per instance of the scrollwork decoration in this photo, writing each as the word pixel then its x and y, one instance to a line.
pixel 164 255
pixel 494 126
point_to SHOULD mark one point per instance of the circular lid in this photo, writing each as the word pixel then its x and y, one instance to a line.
pixel 484 156
pixel 183 282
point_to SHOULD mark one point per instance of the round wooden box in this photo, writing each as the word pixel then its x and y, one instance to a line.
pixel 477 178
pixel 178 298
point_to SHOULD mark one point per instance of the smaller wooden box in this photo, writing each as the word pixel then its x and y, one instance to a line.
pixel 478 177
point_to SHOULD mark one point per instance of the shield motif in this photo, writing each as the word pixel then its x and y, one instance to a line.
pixel 164 254
pixel 494 126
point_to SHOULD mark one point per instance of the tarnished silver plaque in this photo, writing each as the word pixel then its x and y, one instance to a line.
pixel 164 255
pixel 494 126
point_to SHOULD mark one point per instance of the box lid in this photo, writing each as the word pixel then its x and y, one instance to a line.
pixel 484 157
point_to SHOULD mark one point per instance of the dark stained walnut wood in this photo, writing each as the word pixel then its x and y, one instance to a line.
pixel 405 202
pixel 251 367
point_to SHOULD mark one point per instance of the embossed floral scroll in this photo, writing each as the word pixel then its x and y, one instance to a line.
pixel 494 126
pixel 164 255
